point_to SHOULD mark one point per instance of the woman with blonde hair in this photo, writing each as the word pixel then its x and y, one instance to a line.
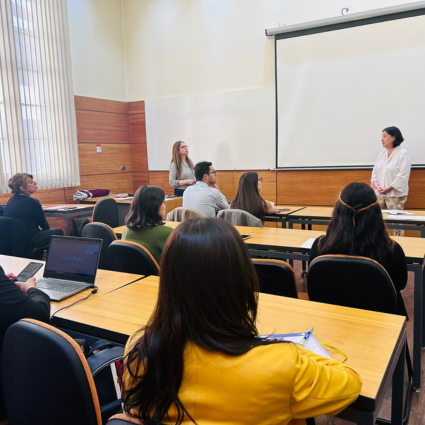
pixel 181 169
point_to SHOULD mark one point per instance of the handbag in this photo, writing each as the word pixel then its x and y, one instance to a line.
pixel 105 360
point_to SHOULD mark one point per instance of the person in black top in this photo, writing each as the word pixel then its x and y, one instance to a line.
pixel 357 228
pixel 28 210
pixel 18 300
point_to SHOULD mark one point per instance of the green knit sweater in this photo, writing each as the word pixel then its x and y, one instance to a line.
pixel 153 238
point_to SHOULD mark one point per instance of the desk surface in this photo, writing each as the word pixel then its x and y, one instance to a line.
pixel 369 339
pixel 106 280
pixel 69 208
pixel 179 199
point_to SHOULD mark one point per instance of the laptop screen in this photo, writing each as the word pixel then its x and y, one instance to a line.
pixel 73 258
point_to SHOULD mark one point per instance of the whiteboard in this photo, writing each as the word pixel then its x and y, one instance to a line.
pixel 234 130
pixel 337 90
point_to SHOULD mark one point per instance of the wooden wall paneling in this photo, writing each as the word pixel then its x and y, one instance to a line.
pixel 137 128
pixel 114 182
pixel 108 161
pixel 136 107
pixel 228 182
pixel 139 157
pixel 102 127
pixel 160 179
pixel 100 105
pixel 416 197
pixel 316 187
pixel 140 179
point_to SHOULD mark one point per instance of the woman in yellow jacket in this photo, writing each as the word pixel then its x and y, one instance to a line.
pixel 200 360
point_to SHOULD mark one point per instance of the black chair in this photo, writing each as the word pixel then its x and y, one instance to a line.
pixel 276 277
pixel 356 282
pixel 14 238
pixel 47 380
pixel 104 232
pixel 131 257
pixel 106 211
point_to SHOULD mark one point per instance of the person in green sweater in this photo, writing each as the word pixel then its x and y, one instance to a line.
pixel 145 220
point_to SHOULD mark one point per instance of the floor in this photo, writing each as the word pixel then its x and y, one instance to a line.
pixel 417 415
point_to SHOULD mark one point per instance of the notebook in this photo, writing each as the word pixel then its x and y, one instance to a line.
pixel 71 266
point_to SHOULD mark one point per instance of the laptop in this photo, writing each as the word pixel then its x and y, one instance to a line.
pixel 71 266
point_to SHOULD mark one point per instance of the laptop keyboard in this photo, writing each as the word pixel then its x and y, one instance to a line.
pixel 59 285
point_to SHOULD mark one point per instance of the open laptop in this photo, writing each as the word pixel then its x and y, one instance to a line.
pixel 71 266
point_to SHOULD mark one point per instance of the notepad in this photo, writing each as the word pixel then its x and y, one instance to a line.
pixel 312 344
pixel 397 212
pixel 406 217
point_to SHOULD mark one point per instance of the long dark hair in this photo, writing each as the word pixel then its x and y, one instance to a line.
pixel 177 159
pixel 248 197
pixel 208 294
pixel 357 226
pixel 144 208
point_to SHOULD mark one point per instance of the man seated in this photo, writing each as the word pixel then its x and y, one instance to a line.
pixel 204 195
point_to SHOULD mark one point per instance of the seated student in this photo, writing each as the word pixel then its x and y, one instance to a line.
pixel 28 210
pixel 145 220
pixel 200 360
pixel 18 300
pixel 249 199
pixel 357 228
pixel 205 196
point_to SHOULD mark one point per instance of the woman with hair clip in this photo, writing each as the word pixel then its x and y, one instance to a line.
pixel 200 360
pixel 390 175
pixel 145 220
pixel 357 228
pixel 22 207
pixel 181 169
pixel 248 197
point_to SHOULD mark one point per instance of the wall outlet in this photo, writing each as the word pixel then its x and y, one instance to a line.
pixel 123 167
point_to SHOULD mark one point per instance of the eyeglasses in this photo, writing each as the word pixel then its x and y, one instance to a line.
pixel 183 146
pixel 213 172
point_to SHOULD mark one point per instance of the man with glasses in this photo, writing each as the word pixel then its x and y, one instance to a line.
pixel 205 196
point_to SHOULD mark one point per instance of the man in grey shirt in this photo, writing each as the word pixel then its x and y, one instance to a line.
pixel 205 196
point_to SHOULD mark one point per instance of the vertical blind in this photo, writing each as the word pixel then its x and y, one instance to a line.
pixel 37 116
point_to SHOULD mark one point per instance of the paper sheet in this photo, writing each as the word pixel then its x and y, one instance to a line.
pixel 397 212
pixel 406 217
pixel 308 243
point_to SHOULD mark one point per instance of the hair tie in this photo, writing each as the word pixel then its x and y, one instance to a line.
pixel 355 210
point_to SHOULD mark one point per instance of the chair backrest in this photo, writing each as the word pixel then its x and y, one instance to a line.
pixel 104 232
pixel 14 238
pixel 106 211
pixel 131 257
pixel 47 380
pixel 240 218
pixel 184 213
pixel 122 419
pixel 276 277
pixel 351 281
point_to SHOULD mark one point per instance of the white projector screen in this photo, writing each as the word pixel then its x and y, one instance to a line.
pixel 337 90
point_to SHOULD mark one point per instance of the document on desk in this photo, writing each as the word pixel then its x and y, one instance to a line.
pixel 406 217
pixel 123 198
pixel 398 212
pixel 308 243
pixel 311 343
pixel 59 207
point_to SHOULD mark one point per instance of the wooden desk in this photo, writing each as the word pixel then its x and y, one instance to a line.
pixel 106 280
pixel 282 215
pixel 309 216
pixel 120 313
pixel 75 211
pixel 124 204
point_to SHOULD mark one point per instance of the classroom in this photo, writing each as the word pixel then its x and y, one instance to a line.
pixel 140 75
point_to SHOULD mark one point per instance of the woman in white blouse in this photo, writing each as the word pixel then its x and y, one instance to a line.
pixel 390 175
pixel 181 169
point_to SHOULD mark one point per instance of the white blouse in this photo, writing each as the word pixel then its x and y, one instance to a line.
pixel 393 171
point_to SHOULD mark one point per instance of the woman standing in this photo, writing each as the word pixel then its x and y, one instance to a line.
pixel 249 199
pixel 145 220
pixel 357 228
pixel 181 169
pixel 200 360
pixel 390 175
pixel 28 210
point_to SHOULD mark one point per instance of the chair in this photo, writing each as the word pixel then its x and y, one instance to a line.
pixel 356 282
pixel 14 238
pixel 240 218
pixel 104 232
pixel 131 257
pixel 122 419
pixel 183 213
pixel 106 211
pixel 276 277
pixel 47 380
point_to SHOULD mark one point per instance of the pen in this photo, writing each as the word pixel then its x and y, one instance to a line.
pixel 306 336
